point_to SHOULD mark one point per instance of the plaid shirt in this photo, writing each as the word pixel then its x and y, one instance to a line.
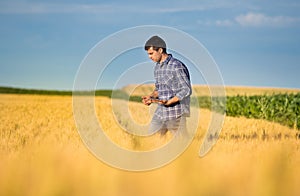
pixel 172 79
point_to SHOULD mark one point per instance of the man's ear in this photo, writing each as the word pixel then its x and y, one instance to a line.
pixel 160 50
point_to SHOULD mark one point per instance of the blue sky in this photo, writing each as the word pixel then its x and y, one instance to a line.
pixel 254 43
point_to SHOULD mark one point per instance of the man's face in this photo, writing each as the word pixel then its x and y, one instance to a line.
pixel 154 55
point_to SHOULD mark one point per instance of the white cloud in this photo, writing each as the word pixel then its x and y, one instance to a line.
pixel 225 23
pixel 220 23
pixel 253 20
pixel 259 19
pixel 24 7
pixel 48 8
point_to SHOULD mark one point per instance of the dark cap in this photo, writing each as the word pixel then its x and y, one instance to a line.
pixel 156 41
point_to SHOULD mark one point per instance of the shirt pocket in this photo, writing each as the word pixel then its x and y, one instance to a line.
pixel 165 77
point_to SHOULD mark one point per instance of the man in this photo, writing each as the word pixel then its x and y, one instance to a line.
pixel 172 90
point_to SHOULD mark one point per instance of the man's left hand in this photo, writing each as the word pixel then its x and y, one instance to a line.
pixel 171 101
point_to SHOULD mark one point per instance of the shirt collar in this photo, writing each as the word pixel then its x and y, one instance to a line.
pixel 166 61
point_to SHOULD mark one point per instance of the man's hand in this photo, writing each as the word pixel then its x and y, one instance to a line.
pixel 152 98
pixel 146 100
pixel 170 101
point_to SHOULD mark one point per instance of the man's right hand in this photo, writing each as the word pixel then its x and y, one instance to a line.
pixel 146 100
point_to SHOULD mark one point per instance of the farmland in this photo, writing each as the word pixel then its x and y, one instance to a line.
pixel 42 154
pixel 204 90
pixel 276 105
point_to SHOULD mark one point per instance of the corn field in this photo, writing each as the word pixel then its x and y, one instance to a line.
pixel 280 108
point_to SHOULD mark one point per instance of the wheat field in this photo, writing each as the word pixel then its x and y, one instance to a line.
pixel 41 153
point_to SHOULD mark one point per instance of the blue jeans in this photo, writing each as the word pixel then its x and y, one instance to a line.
pixel 176 126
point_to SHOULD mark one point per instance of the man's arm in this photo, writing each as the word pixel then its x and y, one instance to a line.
pixel 185 86
pixel 171 101
pixel 183 77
